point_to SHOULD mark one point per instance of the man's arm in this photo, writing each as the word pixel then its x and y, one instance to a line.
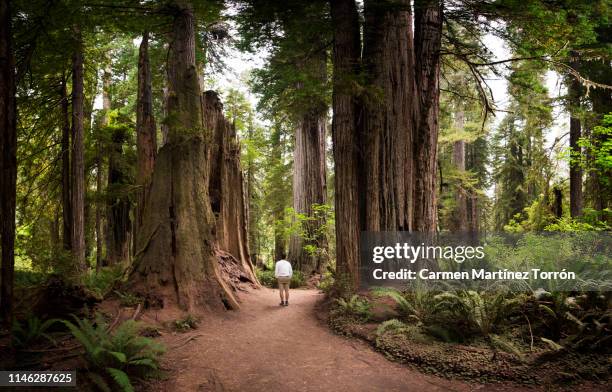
pixel 276 270
pixel 290 270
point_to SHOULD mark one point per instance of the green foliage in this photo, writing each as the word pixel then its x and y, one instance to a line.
pixel 31 330
pixel 327 282
pixel 267 278
pixel 482 313
pixel 394 325
pixel 415 305
pixel 100 283
pixel 128 299
pixel 355 306
pixel 185 324
pixel 114 359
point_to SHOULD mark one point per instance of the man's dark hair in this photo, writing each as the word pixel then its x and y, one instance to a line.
pixel 283 254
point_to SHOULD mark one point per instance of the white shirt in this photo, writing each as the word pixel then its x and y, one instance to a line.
pixel 283 268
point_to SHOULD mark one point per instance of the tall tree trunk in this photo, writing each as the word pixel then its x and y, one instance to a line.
pixel 388 118
pixel 346 50
pixel 575 174
pixel 427 44
pixel 253 234
pixel 473 164
pixel 118 208
pixel 278 208
pixel 78 162
pixel 146 143
pixel 309 176
pixel 8 163
pixel 66 196
pixel 100 205
pixel 226 185
pixel 460 213
pixel 175 261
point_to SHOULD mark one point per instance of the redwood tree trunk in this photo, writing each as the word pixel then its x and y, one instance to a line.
pixel 575 171
pixel 175 261
pixel 309 178
pixel 427 43
pixel 146 143
pixel 226 186
pixel 346 50
pixel 388 118
pixel 460 213
pixel 8 163
pixel 66 197
pixel 78 162
pixel 100 205
pixel 118 208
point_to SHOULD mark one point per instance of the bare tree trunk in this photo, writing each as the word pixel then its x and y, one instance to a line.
pixel 388 118
pixel 575 171
pixel 346 50
pixel 175 260
pixel 8 163
pixel 226 185
pixel 78 162
pixel 460 213
pixel 310 178
pixel 146 143
pixel 118 207
pixel 427 43
pixel 100 205
pixel 66 196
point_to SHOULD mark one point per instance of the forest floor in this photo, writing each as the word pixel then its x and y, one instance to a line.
pixel 266 347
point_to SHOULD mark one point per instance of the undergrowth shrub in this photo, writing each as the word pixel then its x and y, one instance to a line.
pixel 101 283
pixel 30 331
pixel 115 359
pixel 267 278
pixel 356 306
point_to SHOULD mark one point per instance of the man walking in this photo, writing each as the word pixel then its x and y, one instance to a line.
pixel 283 273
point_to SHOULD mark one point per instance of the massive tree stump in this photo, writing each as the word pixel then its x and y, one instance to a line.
pixel 227 194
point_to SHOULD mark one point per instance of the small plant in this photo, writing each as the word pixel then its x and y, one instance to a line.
pixel 390 325
pixel 31 331
pixel 114 359
pixel 297 280
pixel 268 279
pixel 186 323
pixel 128 299
pixel 416 305
pixel 100 283
pixel 356 306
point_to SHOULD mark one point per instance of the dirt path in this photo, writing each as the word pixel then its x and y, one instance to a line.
pixel 265 347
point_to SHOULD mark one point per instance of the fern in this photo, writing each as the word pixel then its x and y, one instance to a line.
pixel 355 306
pixel 121 378
pixel 115 358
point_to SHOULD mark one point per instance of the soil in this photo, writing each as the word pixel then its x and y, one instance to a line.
pixel 266 347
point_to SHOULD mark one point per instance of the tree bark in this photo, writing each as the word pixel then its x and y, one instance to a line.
pixel 78 162
pixel 175 260
pixel 146 143
pixel 66 197
pixel 460 213
pixel 388 119
pixel 427 43
pixel 118 207
pixel 8 163
pixel 346 50
pixel 575 171
pixel 309 175
pixel 226 186
pixel 278 207
pixel 100 205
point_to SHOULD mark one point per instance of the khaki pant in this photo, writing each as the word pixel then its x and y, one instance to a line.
pixel 283 287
